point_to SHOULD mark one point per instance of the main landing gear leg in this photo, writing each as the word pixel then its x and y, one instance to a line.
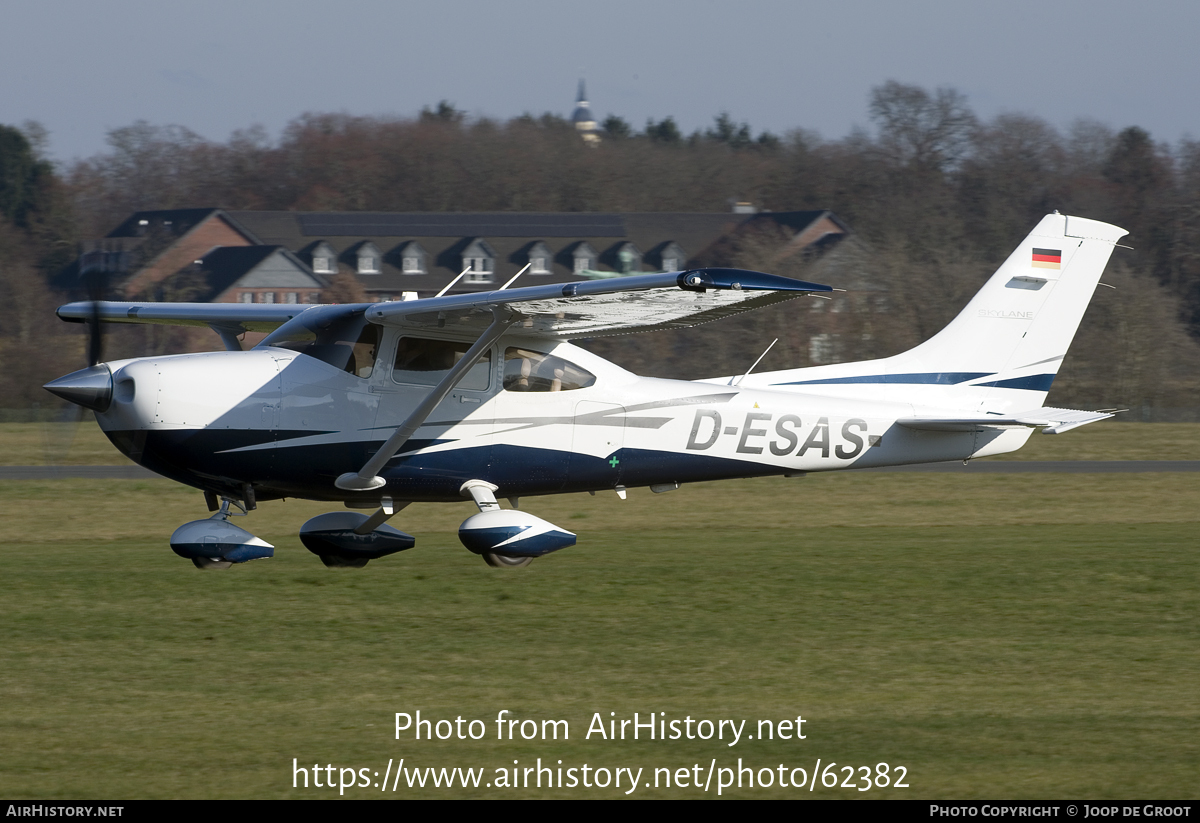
pixel 484 495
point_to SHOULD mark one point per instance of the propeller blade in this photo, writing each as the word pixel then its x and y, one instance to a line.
pixel 97 287
pixel 59 434
pixel 95 344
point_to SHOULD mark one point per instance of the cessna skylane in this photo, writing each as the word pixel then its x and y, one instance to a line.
pixel 483 396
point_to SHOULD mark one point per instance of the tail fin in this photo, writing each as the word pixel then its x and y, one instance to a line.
pixel 1004 349
pixel 1017 328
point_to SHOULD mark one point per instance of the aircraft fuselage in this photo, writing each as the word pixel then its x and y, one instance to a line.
pixel 290 425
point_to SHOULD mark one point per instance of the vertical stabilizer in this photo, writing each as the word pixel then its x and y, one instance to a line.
pixel 1003 350
pixel 1018 327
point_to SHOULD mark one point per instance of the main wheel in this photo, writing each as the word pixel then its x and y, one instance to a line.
pixel 211 563
pixel 501 561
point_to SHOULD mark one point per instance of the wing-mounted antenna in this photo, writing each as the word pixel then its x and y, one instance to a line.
pixel 513 279
pixel 734 382
pixel 449 285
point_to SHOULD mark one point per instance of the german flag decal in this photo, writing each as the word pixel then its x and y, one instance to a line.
pixel 1047 258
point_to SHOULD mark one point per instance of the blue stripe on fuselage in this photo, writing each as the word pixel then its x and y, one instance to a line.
pixel 1034 382
pixel 927 378
pixel 200 458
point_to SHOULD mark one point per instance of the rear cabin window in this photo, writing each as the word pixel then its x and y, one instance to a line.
pixel 526 370
pixel 425 362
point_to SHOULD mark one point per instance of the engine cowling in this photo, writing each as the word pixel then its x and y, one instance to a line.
pixel 512 533
pixel 218 539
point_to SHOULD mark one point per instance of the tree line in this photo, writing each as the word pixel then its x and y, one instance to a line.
pixel 935 195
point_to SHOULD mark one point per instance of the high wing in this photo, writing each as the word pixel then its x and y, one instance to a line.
pixel 235 316
pixel 1050 420
pixel 599 308
pixel 621 305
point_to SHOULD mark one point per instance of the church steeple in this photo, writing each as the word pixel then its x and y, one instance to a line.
pixel 585 123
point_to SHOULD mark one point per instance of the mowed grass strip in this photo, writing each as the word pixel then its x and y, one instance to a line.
pixel 151 509
pixel 999 636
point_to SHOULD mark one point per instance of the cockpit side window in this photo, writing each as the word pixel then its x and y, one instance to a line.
pixel 425 362
pixel 534 371
pixel 365 349
pixel 339 336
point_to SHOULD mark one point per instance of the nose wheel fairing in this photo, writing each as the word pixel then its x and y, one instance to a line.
pixel 216 540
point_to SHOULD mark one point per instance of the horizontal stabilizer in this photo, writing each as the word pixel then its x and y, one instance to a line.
pixel 1050 420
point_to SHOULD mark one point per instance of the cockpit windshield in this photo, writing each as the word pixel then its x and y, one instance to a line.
pixel 337 335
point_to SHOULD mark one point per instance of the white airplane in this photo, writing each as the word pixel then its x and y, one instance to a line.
pixel 483 396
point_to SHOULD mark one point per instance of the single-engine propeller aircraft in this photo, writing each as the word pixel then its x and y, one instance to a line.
pixel 483 396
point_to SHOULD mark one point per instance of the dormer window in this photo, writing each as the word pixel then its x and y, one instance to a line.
pixel 324 259
pixel 412 258
pixel 479 269
pixel 539 258
pixel 369 259
pixel 479 260
pixel 629 259
pixel 673 257
pixel 584 258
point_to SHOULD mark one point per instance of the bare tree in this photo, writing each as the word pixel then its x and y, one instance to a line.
pixel 922 130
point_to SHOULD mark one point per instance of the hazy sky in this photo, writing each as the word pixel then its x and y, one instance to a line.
pixel 82 68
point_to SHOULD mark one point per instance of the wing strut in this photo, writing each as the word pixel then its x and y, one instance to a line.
pixel 367 478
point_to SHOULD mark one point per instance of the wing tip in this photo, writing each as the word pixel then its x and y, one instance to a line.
pixel 738 279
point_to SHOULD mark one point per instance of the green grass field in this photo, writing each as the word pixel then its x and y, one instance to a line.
pixel 999 636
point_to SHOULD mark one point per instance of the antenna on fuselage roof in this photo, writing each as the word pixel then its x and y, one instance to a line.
pixel 733 382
